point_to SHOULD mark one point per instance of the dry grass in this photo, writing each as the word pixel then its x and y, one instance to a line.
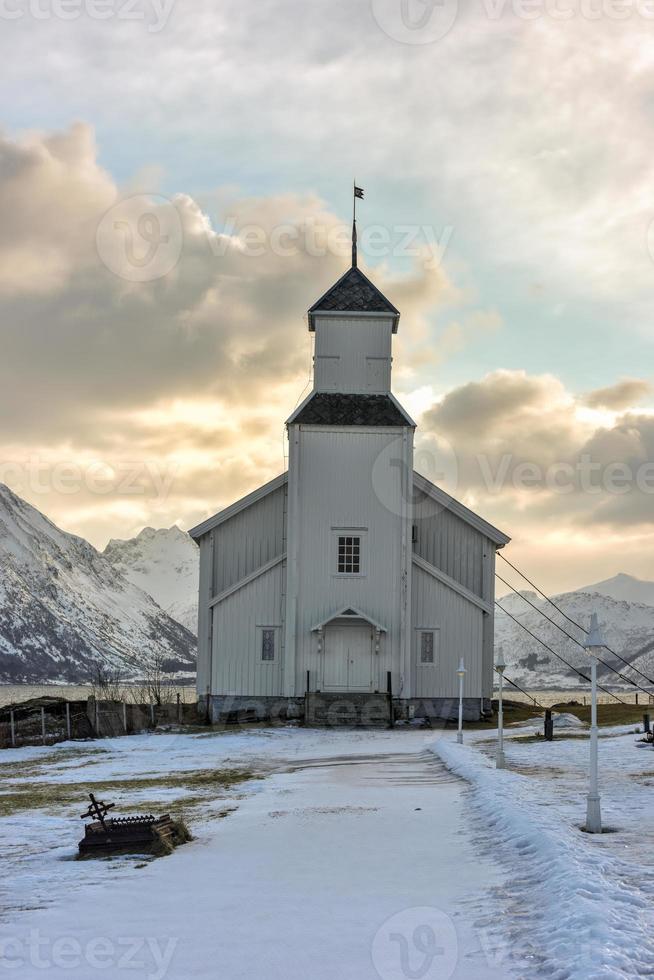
pixel 607 714
pixel 47 796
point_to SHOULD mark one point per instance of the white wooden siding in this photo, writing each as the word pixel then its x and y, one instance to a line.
pixel 446 541
pixel 237 665
pixel 344 346
pixel 204 623
pixel 249 539
pixel 461 627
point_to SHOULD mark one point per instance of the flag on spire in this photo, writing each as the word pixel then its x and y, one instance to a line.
pixel 358 193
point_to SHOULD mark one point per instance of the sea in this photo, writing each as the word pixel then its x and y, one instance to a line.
pixel 15 693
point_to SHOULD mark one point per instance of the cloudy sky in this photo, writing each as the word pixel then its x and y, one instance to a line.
pixel 175 189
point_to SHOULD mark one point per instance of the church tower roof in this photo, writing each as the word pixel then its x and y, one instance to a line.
pixel 353 293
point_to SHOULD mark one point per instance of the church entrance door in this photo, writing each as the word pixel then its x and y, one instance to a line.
pixel 348 657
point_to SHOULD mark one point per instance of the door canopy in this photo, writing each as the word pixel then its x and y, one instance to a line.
pixel 350 612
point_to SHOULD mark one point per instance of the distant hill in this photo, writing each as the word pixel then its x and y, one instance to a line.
pixel 625 588
pixel 65 609
pixel 627 626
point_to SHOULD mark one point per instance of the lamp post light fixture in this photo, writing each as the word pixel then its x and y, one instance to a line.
pixel 461 673
pixel 594 641
pixel 500 666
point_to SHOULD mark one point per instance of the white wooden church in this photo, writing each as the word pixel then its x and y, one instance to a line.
pixel 351 581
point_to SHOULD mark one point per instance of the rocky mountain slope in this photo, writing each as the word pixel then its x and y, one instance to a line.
pixel 165 564
pixel 64 608
pixel 628 628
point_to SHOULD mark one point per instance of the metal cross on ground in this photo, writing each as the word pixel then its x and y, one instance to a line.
pixel 97 809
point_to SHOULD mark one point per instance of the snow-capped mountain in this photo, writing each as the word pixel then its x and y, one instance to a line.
pixel 624 587
pixel 166 564
pixel 628 628
pixel 64 608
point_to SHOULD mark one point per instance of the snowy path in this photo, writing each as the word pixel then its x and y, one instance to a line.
pixel 353 859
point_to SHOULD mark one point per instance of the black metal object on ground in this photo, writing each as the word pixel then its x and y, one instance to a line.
pixel 141 833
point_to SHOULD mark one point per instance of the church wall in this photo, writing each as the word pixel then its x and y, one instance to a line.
pixel 249 539
pixel 237 666
pixel 347 482
pixel 204 613
pixel 353 355
pixel 449 543
pixel 461 626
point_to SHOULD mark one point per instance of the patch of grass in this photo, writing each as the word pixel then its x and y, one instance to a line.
pixel 559 736
pixel 515 712
pixel 607 714
pixel 45 796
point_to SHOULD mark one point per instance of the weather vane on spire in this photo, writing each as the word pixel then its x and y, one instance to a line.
pixel 358 192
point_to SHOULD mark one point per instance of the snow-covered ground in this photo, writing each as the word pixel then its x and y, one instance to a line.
pixel 352 855
pixel 579 905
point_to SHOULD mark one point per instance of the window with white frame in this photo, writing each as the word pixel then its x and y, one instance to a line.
pixel 428 647
pixel 349 556
pixel 268 650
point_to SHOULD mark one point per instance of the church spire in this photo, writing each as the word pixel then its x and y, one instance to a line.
pixel 358 193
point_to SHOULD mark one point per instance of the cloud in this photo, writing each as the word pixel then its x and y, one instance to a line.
pixel 150 356
pixel 623 394
pixel 564 191
pixel 526 445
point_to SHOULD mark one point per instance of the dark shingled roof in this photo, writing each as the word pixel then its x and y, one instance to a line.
pixel 326 408
pixel 353 293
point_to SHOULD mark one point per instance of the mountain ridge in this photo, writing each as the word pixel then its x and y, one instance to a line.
pixel 65 610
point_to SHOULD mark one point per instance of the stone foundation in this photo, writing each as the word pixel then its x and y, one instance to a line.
pixel 346 709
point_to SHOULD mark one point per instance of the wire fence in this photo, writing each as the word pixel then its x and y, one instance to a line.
pixel 548 698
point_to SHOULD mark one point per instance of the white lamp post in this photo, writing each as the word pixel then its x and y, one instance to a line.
pixel 594 641
pixel 461 673
pixel 499 753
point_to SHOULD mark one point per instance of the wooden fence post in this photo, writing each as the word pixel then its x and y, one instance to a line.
pixel 125 716
pixel 179 708
pixel 13 729
pixel 152 713
pixel 97 719
pixel 43 724
pixel 68 730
